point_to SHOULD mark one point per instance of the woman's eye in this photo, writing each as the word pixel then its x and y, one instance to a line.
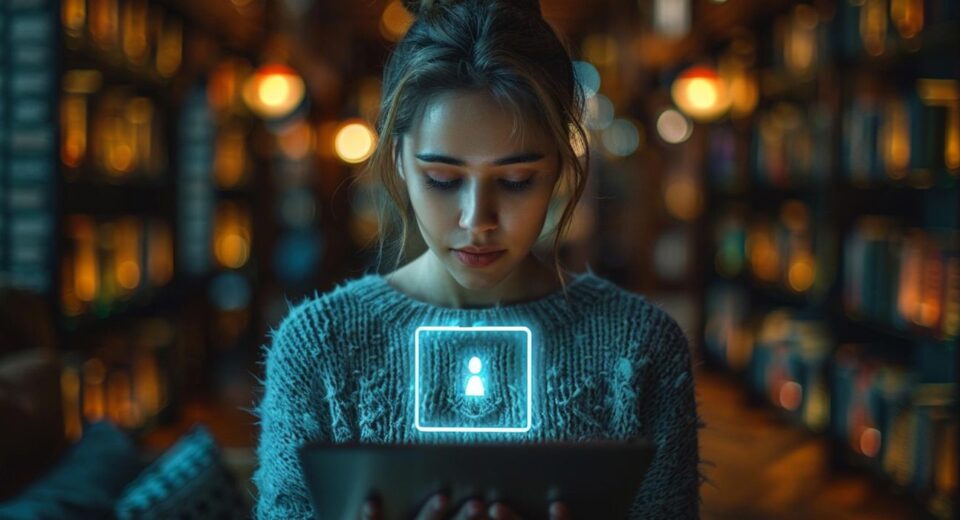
pixel 440 185
pixel 517 185
pixel 451 185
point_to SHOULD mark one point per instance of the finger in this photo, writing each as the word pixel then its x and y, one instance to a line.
pixel 559 511
pixel 434 509
pixel 472 510
pixel 501 511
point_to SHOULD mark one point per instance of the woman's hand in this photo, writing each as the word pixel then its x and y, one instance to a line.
pixel 436 509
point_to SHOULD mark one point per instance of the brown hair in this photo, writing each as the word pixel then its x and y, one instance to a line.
pixel 501 47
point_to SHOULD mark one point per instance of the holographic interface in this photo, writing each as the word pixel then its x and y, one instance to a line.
pixel 473 379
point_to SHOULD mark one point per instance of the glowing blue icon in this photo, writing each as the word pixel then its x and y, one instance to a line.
pixel 475 384
pixel 495 394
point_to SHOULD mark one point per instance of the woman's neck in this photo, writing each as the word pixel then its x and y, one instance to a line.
pixel 427 279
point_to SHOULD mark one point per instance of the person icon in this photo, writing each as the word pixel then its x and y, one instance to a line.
pixel 475 383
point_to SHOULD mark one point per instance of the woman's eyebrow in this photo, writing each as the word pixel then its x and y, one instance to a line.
pixel 525 157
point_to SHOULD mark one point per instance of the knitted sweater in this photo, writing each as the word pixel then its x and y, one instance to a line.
pixel 609 365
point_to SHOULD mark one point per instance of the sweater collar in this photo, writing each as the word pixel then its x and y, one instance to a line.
pixel 391 303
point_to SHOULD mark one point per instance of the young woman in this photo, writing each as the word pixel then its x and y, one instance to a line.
pixel 479 122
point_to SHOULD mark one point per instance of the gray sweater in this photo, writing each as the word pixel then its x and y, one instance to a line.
pixel 606 364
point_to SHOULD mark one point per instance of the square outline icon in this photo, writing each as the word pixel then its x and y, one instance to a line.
pixel 416 355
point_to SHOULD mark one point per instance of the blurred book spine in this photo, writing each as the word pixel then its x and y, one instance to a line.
pixel 27 128
pixel 902 278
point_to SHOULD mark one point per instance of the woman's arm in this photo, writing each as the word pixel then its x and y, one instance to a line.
pixel 289 416
pixel 671 487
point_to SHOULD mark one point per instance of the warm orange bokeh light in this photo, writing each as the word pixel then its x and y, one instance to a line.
pixel 274 91
pixel 701 93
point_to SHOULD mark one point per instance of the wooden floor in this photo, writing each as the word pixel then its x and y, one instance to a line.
pixel 762 467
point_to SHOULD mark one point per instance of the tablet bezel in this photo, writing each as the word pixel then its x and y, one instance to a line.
pixel 526 475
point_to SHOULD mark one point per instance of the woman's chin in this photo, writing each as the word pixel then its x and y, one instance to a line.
pixel 475 278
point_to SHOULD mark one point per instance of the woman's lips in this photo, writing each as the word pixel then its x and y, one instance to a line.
pixel 477 260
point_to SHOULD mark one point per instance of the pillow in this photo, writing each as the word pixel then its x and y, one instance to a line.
pixel 189 480
pixel 84 483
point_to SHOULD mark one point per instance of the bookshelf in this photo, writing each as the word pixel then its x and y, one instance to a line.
pixel 116 291
pixel 833 276
pixel 120 203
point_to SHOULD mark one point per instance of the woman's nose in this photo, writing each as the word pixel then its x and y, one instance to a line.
pixel 478 210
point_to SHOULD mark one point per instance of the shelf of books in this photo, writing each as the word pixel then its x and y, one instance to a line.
pixel 116 287
pixel 216 199
pixel 124 196
pixel 834 284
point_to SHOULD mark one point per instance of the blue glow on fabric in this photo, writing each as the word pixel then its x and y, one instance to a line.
pixel 466 379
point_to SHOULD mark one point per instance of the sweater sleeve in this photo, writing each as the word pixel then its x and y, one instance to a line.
pixel 671 487
pixel 289 418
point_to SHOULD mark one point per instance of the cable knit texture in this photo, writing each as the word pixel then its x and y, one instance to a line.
pixel 608 364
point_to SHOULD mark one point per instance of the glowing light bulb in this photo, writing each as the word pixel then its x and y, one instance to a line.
pixel 354 142
pixel 701 93
pixel 274 91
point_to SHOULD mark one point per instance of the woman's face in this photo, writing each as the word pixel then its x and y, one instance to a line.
pixel 472 185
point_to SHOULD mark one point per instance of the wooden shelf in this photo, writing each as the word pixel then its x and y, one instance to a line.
pixel 117 71
pixel 139 197
pixel 148 304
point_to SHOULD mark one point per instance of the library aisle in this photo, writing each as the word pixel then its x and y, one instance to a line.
pixel 782 176
pixel 762 467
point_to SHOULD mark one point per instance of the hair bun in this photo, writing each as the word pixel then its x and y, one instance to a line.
pixel 424 8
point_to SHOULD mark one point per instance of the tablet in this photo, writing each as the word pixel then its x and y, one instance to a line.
pixel 595 479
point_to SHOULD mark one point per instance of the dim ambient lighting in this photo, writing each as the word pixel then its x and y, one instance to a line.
pixel 673 127
pixel 230 157
pixel 599 111
pixel 134 30
pixel 395 21
pixel 274 91
pixel 895 140
pixel 800 45
pixel 944 93
pixel 601 50
pixel 873 26
pixel 762 252
pixel 354 142
pixel 73 15
pixel 735 69
pixel 70 390
pixel 296 140
pixel 907 16
pixel 231 235
pixel 73 130
pixel 672 17
pixel 701 93
pixel 85 268
pixel 82 81
pixel 126 263
pixel 588 77
pixel 94 374
pixel 791 395
pixel 170 47
pixel 160 257
pixel 802 272
pixel 621 138
pixel 870 442
pixel 682 196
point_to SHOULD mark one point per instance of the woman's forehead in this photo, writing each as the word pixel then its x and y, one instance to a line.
pixel 475 123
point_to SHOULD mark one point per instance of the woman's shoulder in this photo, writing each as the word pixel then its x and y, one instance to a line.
pixel 644 319
pixel 330 303
pixel 320 317
pixel 625 303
